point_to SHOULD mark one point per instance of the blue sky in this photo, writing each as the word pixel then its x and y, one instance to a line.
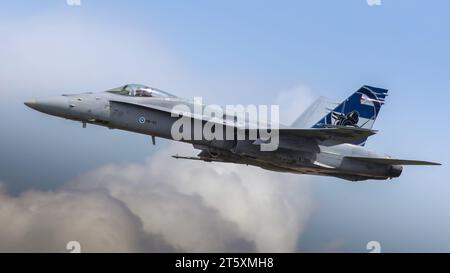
pixel 247 52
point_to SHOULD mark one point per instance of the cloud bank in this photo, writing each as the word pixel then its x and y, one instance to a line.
pixel 161 205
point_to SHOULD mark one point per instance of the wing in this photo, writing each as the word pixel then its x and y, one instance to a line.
pixel 333 135
pixel 391 161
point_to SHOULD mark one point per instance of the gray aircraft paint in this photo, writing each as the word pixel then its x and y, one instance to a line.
pixel 297 153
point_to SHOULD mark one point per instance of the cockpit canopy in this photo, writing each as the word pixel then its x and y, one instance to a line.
pixel 139 90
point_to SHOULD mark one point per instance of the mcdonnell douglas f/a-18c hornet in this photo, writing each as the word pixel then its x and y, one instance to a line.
pixel 328 139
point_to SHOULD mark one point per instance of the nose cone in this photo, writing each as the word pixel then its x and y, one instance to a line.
pixel 57 106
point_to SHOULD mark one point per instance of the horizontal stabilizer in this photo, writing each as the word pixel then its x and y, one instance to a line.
pixel 391 161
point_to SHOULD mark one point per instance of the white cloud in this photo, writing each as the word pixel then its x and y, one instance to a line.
pixel 45 221
pixel 162 204
pixel 78 54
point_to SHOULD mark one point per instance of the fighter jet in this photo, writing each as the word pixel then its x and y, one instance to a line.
pixel 328 139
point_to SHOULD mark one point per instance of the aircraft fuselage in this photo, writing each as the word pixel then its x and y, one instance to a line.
pixel 147 116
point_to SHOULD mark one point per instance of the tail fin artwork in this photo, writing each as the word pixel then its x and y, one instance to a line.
pixel 360 110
